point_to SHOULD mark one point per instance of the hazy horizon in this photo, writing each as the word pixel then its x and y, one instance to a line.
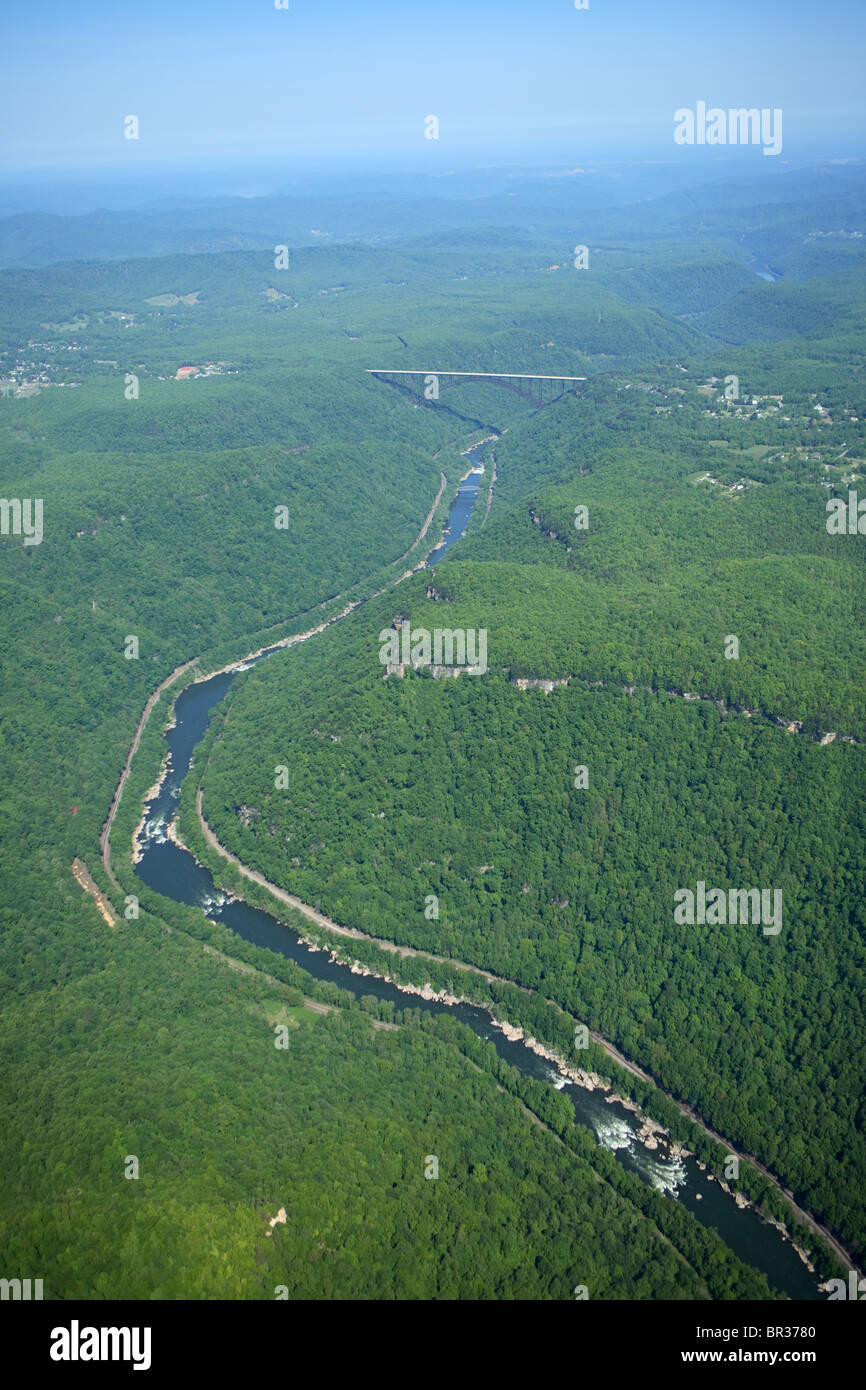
pixel 236 100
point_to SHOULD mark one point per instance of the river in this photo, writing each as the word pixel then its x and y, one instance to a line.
pixel 169 870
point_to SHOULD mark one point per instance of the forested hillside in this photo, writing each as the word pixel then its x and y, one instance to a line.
pixel 705 520
pixel 337 1128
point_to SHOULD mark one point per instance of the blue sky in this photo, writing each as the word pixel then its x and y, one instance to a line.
pixel 351 81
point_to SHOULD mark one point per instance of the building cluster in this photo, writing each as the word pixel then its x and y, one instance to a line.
pixel 27 376
pixel 187 372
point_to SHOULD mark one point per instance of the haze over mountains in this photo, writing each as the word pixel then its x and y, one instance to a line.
pixel 763 213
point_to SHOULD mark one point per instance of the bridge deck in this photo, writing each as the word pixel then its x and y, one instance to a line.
pixel 509 376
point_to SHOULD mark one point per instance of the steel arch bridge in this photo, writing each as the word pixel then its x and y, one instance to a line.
pixel 534 387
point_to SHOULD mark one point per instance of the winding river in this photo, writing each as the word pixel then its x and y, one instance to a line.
pixel 172 871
